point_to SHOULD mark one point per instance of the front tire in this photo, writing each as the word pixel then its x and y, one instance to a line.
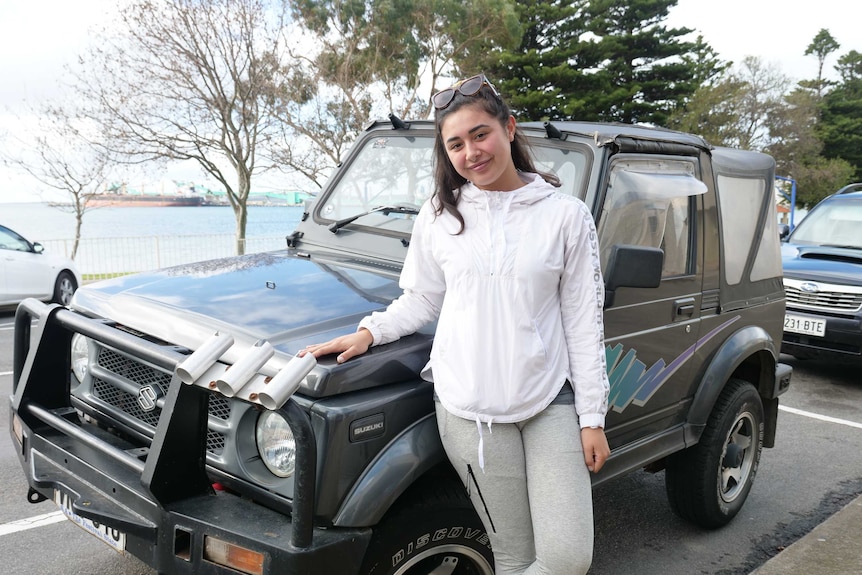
pixel 436 533
pixel 708 483
pixel 64 288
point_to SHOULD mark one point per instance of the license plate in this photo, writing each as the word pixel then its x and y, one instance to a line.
pixel 113 537
pixel 804 325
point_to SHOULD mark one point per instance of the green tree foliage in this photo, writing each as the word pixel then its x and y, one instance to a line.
pixel 797 149
pixel 394 45
pixel 546 75
pixel 841 120
pixel 647 70
pixel 821 47
pixel 457 35
pixel 349 62
pixel 602 60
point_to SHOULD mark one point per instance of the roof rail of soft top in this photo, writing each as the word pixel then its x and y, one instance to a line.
pixel 397 123
pixel 603 133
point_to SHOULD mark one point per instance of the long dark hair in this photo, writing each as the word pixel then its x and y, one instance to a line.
pixel 447 180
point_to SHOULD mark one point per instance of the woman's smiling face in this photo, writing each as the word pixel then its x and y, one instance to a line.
pixel 479 147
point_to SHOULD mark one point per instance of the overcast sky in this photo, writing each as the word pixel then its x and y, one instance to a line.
pixel 37 37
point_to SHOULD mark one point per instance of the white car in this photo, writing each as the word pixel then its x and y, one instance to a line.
pixel 27 271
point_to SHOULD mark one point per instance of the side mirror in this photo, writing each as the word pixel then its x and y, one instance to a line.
pixel 37 248
pixel 783 231
pixel 632 266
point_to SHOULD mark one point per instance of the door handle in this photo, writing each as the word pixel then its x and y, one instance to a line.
pixel 683 308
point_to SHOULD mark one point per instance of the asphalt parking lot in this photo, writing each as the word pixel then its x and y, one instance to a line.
pixel 814 471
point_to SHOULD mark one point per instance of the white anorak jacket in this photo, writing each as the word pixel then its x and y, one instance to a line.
pixel 518 296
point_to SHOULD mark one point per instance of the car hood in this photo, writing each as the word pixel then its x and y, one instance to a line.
pixel 822 263
pixel 287 300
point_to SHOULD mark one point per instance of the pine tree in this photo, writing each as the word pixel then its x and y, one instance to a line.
pixel 841 121
pixel 601 60
pixel 545 77
pixel 647 70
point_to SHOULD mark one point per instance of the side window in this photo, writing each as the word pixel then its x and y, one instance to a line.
pixel 742 201
pixel 569 164
pixel 649 202
pixel 9 240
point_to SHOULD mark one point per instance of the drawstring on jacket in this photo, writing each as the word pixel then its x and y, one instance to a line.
pixel 482 443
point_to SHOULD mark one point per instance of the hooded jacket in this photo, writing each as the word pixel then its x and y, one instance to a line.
pixel 518 296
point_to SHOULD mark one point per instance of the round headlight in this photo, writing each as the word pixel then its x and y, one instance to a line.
pixel 276 444
pixel 80 356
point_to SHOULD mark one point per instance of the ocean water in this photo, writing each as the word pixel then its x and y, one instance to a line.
pixel 41 222
pixel 119 240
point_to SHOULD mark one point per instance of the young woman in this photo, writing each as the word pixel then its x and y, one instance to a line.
pixel 510 269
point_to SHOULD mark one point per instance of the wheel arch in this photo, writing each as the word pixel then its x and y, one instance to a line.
pixel 396 468
pixel 71 273
pixel 748 354
pixel 64 272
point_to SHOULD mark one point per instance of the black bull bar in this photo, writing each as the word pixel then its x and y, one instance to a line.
pixel 175 467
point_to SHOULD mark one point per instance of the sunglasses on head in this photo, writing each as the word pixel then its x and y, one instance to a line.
pixel 468 87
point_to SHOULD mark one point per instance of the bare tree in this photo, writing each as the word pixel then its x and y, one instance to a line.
pixel 189 80
pixel 736 109
pixel 765 87
pixel 62 155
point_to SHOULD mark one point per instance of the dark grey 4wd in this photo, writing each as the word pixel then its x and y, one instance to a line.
pixel 167 411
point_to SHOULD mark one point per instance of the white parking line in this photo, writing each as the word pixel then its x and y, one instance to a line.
pixel 2 373
pixel 31 522
pixel 820 417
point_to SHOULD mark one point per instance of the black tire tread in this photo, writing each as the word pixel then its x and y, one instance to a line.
pixel 437 491
pixel 56 296
pixel 686 496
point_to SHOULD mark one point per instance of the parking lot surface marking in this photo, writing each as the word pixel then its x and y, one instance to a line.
pixel 820 417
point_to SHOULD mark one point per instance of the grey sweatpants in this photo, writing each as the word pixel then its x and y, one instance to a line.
pixel 534 495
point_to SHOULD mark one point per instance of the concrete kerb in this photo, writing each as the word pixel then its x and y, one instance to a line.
pixel 831 548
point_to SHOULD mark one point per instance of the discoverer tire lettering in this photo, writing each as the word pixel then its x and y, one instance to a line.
pixel 437 529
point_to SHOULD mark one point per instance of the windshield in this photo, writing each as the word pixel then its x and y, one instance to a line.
pixel 387 171
pixel 396 171
pixel 837 222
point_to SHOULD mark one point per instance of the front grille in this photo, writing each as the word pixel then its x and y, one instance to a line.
pixel 136 375
pixel 818 344
pixel 132 370
pixel 125 402
pixel 826 300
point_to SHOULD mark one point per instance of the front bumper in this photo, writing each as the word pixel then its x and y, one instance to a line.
pixel 160 498
pixel 842 340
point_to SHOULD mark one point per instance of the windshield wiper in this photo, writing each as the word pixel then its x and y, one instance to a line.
pixel 385 210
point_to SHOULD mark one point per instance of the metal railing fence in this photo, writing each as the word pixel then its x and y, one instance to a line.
pixel 100 258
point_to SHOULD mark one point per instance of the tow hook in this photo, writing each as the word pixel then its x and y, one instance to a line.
pixel 34 496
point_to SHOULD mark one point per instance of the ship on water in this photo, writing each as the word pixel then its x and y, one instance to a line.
pixel 185 195
pixel 143 200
